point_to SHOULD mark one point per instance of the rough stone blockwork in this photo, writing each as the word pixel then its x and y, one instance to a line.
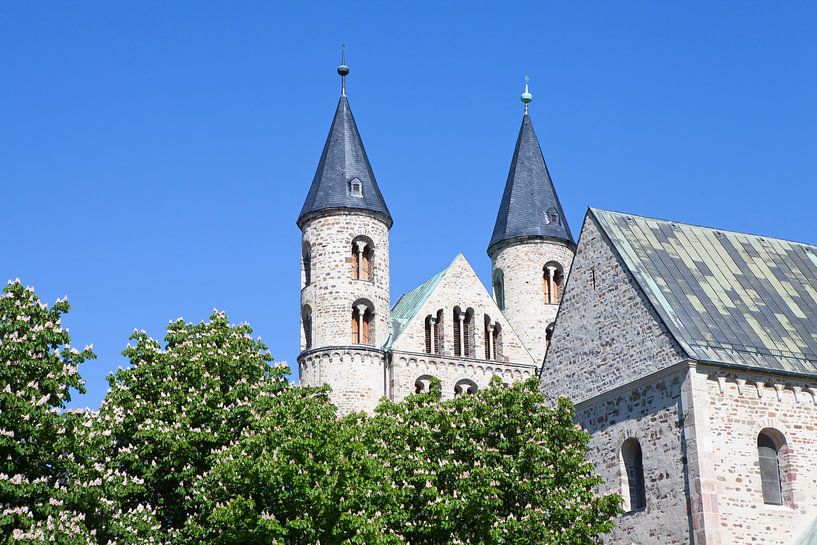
pixel 522 267
pixel 648 413
pixel 357 376
pixel 740 407
pixel 406 368
pixel 607 334
pixel 332 291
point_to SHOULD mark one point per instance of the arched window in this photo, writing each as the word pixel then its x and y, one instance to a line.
pixel 306 320
pixel 468 334
pixel 769 445
pixel 465 386
pixel 499 288
pixel 362 259
pixel 632 478
pixel 549 334
pixel 497 342
pixel 306 253
pixel 363 322
pixel 439 333
pixel 554 279
pixel 456 323
pixel 423 384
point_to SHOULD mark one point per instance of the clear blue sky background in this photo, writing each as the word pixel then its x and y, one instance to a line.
pixel 155 155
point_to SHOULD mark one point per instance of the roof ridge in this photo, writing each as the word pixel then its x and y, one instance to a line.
pixel 699 226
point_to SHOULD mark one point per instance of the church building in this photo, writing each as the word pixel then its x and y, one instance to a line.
pixel 691 356
pixel 690 352
pixel 449 327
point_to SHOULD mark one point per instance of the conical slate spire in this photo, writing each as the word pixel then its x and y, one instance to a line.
pixel 344 179
pixel 529 207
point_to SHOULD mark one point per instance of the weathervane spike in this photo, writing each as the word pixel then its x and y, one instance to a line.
pixel 343 70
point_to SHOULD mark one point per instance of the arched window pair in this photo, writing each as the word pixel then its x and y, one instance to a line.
pixel 493 339
pixel 499 288
pixel 363 322
pixel 554 279
pixel 772 454
pixel 362 259
pixel 463 324
pixel 434 333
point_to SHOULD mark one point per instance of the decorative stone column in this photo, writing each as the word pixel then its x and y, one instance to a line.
pixel 433 335
pixel 460 340
pixel 361 311
pixel 360 250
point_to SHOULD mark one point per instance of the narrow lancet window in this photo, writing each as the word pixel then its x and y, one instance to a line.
pixel 499 288
pixel 768 453
pixel 634 493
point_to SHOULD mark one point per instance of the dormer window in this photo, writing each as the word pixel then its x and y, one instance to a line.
pixel 552 216
pixel 355 187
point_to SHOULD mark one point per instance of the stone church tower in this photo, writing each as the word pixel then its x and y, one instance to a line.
pixel 345 270
pixel 531 249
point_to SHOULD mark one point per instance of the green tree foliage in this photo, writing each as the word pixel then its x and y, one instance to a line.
pixel 201 439
pixel 298 476
pixel 38 369
pixel 501 466
pixel 164 418
pixel 497 467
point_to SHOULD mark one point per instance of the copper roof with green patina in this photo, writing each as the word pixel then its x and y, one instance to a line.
pixel 726 297
pixel 409 304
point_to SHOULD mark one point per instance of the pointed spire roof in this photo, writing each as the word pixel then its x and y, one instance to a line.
pixel 344 179
pixel 530 207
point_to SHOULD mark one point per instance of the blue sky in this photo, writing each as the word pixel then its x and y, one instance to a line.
pixel 154 155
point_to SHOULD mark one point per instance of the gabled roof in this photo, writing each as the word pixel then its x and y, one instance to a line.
pixel 530 206
pixel 344 162
pixel 730 298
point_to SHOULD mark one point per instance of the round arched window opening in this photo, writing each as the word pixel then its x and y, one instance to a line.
pixel 465 386
pixel 554 280
pixel 363 322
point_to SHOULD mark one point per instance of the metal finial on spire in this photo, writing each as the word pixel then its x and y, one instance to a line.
pixel 343 70
pixel 526 97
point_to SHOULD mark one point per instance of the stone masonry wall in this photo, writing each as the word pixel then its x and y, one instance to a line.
pixel 356 373
pixel 607 333
pixel 461 287
pixel 332 291
pixel 407 367
pixel 740 405
pixel 357 376
pixel 649 413
pixel 522 265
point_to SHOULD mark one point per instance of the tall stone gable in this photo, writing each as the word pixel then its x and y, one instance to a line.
pixel 612 356
pixel 607 333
